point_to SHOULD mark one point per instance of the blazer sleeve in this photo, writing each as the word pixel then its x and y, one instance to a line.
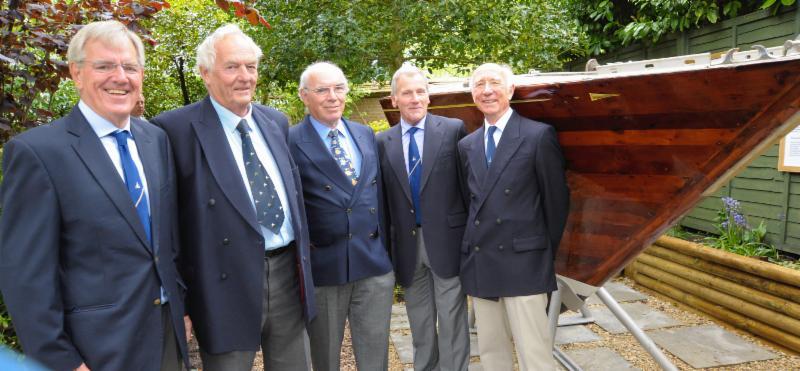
pixel 551 178
pixel 29 257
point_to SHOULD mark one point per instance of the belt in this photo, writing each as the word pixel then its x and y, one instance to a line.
pixel 275 252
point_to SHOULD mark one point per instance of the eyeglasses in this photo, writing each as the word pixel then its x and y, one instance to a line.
pixel 340 89
pixel 105 67
pixel 493 84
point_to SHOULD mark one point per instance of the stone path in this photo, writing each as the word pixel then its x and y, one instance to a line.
pixel 689 343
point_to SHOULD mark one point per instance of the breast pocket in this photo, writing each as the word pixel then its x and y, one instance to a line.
pixel 529 243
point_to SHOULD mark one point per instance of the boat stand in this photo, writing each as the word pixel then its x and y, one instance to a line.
pixel 558 298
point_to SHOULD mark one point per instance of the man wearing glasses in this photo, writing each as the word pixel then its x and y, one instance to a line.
pixel 353 277
pixel 245 245
pixel 87 235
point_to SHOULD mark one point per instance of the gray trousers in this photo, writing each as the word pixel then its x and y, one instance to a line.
pixel 367 305
pixel 429 298
pixel 282 329
pixel 170 355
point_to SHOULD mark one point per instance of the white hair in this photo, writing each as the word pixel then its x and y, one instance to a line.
pixel 207 52
pixel 106 32
pixel 319 67
pixel 505 71
pixel 407 70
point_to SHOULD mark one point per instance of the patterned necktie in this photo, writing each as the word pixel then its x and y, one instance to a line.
pixel 269 210
pixel 414 172
pixel 490 145
pixel 132 180
pixel 341 157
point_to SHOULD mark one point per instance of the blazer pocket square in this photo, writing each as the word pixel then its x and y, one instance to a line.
pixel 529 243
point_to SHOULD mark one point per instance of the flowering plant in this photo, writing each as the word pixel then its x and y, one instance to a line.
pixel 737 236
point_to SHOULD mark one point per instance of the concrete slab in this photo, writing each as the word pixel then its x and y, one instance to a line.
pixel 645 317
pixel 620 292
pixel 709 346
pixel 473 345
pixel 399 323
pixel 474 367
pixel 575 334
pixel 399 310
pixel 405 349
pixel 599 359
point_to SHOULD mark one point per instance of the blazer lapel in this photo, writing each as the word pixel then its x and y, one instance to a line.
pixel 367 160
pixel 148 154
pixel 316 151
pixel 95 157
pixel 477 156
pixel 396 157
pixel 506 147
pixel 276 141
pixel 223 167
pixel 431 147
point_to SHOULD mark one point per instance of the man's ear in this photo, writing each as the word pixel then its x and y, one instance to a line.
pixel 75 73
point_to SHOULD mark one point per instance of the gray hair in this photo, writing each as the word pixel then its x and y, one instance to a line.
pixel 106 32
pixel 505 71
pixel 207 52
pixel 407 70
pixel 319 67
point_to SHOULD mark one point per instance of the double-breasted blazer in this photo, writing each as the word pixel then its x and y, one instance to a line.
pixel 518 210
pixel 223 254
pixel 442 203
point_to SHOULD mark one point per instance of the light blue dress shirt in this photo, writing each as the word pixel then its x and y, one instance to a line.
pixel 345 140
pixel 229 122
pixel 419 137
pixel 500 124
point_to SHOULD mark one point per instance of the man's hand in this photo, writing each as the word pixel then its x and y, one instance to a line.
pixel 82 367
pixel 187 323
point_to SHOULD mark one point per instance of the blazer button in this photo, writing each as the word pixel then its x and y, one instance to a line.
pixel 413 232
pixel 328 187
pixel 349 236
pixel 374 181
pixel 507 191
pixel 498 221
pixel 500 247
pixel 472 196
pixel 226 241
pixel 156 260
pixel 373 235
pixel 477 223
pixel 372 210
pixel 223 276
pixel 348 210
pixel 411 210
pixel 157 302
pixel 212 202
pixel 477 248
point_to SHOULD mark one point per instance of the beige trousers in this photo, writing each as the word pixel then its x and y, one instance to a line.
pixel 522 319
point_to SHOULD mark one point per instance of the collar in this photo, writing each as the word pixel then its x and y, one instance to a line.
pixel 101 126
pixel 404 126
pixel 501 123
pixel 323 129
pixel 229 119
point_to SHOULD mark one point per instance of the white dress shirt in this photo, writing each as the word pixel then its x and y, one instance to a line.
pixel 500 125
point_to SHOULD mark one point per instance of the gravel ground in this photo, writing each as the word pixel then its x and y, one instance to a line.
pixel 624 344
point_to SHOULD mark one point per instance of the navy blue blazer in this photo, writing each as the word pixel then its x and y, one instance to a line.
pixel 344 221
pixel 77 271
pixel 518 211
pixel 223 254
pixel 442 203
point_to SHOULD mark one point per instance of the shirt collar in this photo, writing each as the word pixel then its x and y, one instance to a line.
pixel 323 129
pixel 230 120
pixel 404 126
pixel 100 125
pixel 500 124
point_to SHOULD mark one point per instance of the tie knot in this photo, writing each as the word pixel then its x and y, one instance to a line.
pixel 243 128
pixel 412 131
pixel 492 129
pixel 333 133
pixel 121 136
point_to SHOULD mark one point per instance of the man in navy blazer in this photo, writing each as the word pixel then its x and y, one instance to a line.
pixel 353 276
pixel 245 258
pixel 424 187
pixel 519 207
pixel 88 234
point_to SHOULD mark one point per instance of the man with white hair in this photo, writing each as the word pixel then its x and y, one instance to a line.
pixel 245 250
pixel 88 232
pixel 353 278
pixel 520 202
pixel 424 191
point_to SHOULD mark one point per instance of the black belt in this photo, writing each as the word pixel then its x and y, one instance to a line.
pixel 275 252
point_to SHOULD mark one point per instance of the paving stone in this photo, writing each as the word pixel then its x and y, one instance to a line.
pixel 645 317
pixel 399 323
pixel 575 334
pixel 600 359
pixel 399 310
pixel 709 346
pixel 620 292
pixel 473 345
pixel 405 349
pixel 474 367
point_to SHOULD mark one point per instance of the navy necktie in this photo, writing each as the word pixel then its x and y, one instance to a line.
pixel 490 145
pixel 133 181
pixel 269 211
pixel 341 157
pixel 414 172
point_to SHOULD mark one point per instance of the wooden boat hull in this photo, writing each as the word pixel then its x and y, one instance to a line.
pixel 642 150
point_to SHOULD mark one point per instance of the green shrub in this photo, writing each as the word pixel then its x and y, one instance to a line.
pixel 737 236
